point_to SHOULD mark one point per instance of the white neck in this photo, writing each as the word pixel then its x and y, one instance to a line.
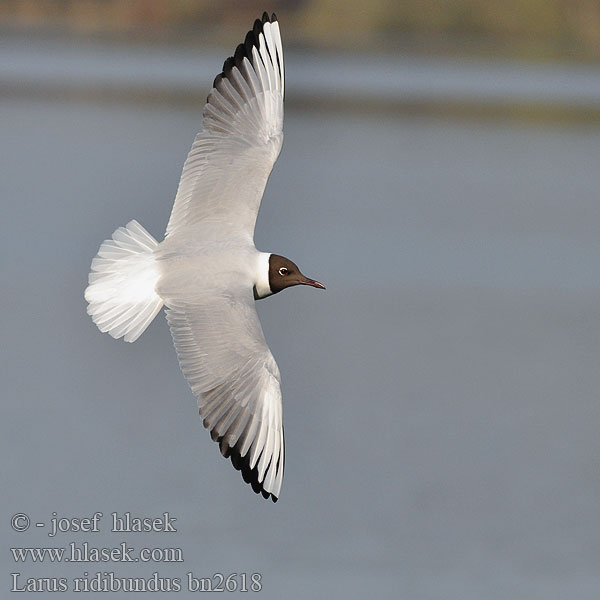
pixel 261 284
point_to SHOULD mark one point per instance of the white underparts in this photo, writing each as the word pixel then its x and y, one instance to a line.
pixel 263 289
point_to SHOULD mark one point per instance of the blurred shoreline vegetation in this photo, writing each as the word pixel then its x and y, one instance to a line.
pixel 520 29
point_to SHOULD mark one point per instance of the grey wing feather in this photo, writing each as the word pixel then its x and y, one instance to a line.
pixel 231 371
pixel 226 171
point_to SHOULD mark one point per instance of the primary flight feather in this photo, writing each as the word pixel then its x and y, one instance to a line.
pixel 207 271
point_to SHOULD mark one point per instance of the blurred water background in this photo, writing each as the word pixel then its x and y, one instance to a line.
pixel 440 175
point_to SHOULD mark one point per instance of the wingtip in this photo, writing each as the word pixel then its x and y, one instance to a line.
pixel 228 65
pixel 242 464
pixel 250 41
pixel 239 54
pixel 244 50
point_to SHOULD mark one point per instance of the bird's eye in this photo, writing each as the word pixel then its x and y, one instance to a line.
pixel 283 271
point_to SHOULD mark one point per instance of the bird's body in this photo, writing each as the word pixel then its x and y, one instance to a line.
pixel 207 271
pixel 188 265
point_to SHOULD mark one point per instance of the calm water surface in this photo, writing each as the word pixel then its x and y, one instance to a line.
pixel 441 398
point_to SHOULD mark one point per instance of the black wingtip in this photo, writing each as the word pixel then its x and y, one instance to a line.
pixel 227 66
pixel 218 80
pixel 249 43
pixel 249 475
pixel 242 463
pixel 244 50
pixel 239 55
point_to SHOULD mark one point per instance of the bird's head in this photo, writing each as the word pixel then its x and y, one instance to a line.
pixel 284 273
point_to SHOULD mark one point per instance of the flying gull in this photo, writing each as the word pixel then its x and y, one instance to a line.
pixel 207 271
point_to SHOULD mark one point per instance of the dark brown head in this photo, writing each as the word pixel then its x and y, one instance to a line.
pixel 284 273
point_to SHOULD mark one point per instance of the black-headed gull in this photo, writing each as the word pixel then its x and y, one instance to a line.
pixel 207 271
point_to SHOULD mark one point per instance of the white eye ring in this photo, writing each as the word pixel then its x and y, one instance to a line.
pixel 283 271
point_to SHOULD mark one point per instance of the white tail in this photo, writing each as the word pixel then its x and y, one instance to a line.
pixel 121 295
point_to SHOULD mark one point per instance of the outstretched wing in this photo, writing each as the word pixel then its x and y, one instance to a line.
pixel 226 171
pixel 225 358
